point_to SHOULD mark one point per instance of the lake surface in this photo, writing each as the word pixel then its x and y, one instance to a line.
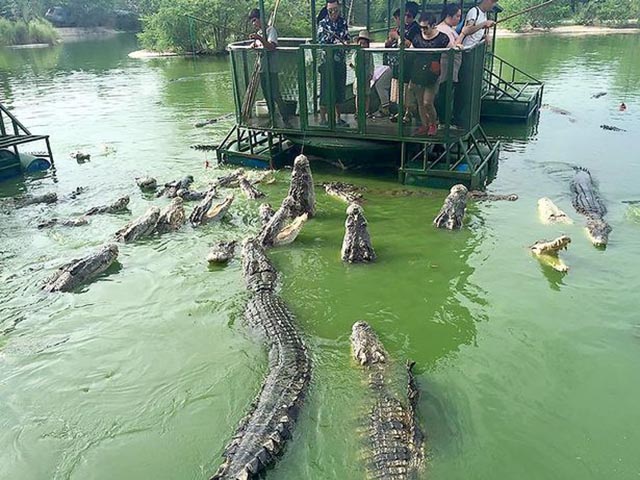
pixel 524 373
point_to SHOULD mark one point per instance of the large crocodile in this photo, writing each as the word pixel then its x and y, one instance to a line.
pixel 262 434
pixel 547 252
pixel 120 205
pixel 586 200
pixel 301 189
pixel 550 213
pixel 47 198
pixel 171 217
pixel 77 272
pixel 206 211
pixel 453 209
pixel 248 189
pixel 397 447
pixel 356 244
pixel 141 227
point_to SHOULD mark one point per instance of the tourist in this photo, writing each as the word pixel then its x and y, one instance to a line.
pixel 451 15
pixel 333 30
pixel 269 81
pixel 411 29
pixel 364 41
pixel 476 24
pixel 425 72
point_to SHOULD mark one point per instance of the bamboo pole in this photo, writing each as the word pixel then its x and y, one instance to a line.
pixel 526 10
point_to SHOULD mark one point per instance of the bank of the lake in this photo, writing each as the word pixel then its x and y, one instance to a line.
pixel 525 373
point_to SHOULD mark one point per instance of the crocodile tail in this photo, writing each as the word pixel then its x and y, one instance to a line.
pixel 582 169
pixel 417 436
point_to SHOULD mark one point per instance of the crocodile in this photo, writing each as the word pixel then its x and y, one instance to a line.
pixel 231 180
pixel 481 196
pixel 170 189
pixel 190 195
pixel 289 233
pixel 396 440
pixel 547 251
pixel 47 198
pixel 120 205
pixel 212 121
pixel 65 222
pixel 598 94
pixel 80 156
pixel 550 213
pixel 559 111
pixel 171 217
pixel 77 192
pixel 301 188
pixel 344 191
pixel 78 272
pixel 612 128
pixel 356 245
pixel 147 184
pixel 276 223
pixel 248 189
pixel 222 252
pixel 266 212
pixel 262 434
pixel 206 211
pixel 141 227
pixel 452 211
pixel 586 200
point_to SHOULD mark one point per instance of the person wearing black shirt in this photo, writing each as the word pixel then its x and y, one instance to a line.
pixel 411 29
pixel 425 72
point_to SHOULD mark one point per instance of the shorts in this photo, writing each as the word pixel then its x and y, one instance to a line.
pixel 339 83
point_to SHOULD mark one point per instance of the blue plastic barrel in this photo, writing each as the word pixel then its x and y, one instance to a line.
pixel 33 164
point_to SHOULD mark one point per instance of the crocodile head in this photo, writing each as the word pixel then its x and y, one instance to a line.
pixel 598 231
pixel 367 348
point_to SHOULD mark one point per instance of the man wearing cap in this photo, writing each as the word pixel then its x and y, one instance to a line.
pixel 268 45
pixel 333 30
pixel 476 24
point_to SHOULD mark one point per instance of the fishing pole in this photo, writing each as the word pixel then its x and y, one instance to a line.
pixel 526 10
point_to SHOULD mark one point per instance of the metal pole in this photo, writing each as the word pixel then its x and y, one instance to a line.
pixel 368 15
pixel 314 26
pixel 266 71
pixel 401 98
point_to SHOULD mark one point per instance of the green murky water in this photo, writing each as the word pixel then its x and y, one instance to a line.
pixel 525 373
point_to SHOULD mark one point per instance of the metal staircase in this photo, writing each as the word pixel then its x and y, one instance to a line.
pixel 508 92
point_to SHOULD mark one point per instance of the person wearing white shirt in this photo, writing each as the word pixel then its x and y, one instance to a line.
pixel 476 24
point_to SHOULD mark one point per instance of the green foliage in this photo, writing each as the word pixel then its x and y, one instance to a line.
pixel 545 17
pixel 169 29
pixel 22 33
pixel 608 11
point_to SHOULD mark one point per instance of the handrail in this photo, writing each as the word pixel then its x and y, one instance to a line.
pixel 16 123
pixel 503 61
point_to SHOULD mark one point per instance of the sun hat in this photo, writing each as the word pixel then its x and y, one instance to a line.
pixel 364 34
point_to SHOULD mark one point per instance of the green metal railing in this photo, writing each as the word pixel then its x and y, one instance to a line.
pixel 299 65
pixel 17 127
pixel 506 81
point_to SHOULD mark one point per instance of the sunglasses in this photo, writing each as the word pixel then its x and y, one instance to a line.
pixel 333 10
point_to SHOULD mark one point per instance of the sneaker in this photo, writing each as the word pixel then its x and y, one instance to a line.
pixel 341 123
pixel 421 131
pixel 394 118
pixel 406 119
pixel 433 129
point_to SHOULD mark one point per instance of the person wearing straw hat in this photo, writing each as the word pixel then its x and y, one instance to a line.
pixel 364 41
